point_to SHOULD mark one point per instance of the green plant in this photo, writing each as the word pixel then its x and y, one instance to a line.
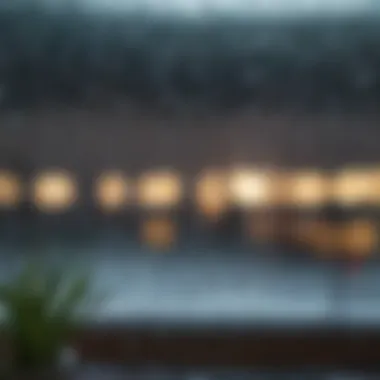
pixel 41 307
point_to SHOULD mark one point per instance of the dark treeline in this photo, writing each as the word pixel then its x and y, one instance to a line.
pixel 71 57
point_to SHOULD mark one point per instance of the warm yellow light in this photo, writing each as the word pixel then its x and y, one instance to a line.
pixel 10 189
pixel 308 189
pixel 159 190
pixel 359 238
pixel 112 191
pixel 54 191
pixel 373 180
pixel 353 187
pixel 211 193
pixel 158 232
pixel 250 188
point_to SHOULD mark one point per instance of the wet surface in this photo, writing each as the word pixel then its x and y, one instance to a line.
pixel 201 284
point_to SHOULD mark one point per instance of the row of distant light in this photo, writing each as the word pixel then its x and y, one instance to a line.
pixel 214 190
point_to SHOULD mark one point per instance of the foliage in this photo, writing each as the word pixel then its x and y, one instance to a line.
pixel 41 308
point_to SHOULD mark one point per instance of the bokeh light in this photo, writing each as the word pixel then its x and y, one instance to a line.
pixel 158 232
pixel 112 191
pixel 159 190
pixel 211 193
pixel 308 189
pixel 359 238
pixel 10 189
pixel 373 179
pixel 353 187
pixel 251 188
pixel 54 191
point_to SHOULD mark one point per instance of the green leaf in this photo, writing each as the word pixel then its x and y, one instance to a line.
pixel 75 293
pixel 41 305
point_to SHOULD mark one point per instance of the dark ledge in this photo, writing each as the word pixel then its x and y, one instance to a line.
pixel 73 57
pixel 251 348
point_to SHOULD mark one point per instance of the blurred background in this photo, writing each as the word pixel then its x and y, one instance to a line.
pixel 215 163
